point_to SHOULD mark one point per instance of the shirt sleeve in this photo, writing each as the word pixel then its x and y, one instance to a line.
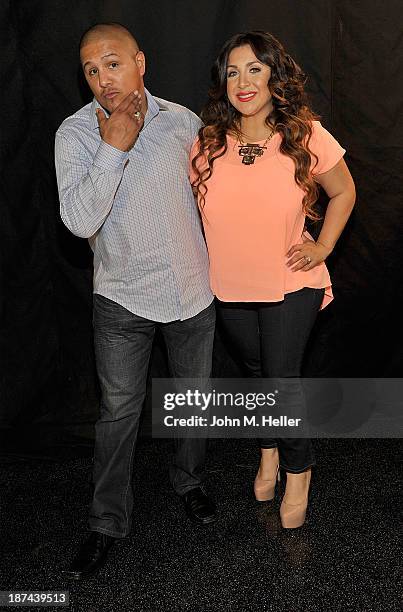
pixel 326 147
pixel 86 187
pixel 192 155
pixel 195 125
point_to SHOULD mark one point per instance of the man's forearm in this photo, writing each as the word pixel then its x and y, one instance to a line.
pixel 87 192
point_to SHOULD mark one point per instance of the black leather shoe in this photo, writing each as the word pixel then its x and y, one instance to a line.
pixel 91 556
pixel 199 507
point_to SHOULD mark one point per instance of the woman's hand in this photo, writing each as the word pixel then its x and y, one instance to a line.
pixel 307 255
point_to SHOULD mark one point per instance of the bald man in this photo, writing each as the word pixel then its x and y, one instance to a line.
pixel 122 171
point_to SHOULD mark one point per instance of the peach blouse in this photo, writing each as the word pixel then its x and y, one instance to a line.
pixel 253 215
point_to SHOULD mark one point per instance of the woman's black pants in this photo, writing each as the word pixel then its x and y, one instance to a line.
pixel 269 340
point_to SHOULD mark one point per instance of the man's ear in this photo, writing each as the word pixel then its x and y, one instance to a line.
pixel 141 62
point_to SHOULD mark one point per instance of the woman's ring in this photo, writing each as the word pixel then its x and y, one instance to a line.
pixel 308 259
pixel 137 114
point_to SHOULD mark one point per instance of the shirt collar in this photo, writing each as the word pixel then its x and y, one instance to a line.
pixel 154 106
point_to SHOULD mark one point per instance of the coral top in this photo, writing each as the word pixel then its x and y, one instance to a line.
pixel 253 215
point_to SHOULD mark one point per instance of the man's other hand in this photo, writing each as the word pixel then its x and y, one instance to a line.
pixel 121 129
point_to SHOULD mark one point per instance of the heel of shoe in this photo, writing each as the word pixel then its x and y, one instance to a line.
pixel 264 490
pixel 293 516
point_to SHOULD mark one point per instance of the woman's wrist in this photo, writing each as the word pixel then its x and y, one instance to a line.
pixel 326 246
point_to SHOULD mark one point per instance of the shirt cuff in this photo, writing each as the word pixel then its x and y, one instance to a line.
pixel 110 158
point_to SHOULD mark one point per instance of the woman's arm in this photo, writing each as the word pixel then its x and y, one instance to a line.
pixel 339 186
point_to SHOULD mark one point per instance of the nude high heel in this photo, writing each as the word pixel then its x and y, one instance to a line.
pixel 293 515
pixel 264 488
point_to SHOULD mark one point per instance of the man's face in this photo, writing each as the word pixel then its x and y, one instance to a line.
pixel 113 68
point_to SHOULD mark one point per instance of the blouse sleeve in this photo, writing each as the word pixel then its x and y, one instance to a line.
pixel 326 147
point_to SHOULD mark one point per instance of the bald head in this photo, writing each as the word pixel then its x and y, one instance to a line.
pixel 113 64
pixel 108 31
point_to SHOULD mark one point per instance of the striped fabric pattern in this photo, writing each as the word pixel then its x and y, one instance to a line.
pixel 137 210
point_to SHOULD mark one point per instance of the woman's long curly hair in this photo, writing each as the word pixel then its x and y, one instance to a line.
pixel 291 115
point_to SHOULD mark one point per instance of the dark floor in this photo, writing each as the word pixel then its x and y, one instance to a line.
pixel 344 559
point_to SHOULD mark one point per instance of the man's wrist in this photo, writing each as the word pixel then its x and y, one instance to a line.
pixel 114 145
pixel 109 157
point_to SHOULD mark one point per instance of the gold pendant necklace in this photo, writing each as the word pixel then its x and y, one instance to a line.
pixel 249 151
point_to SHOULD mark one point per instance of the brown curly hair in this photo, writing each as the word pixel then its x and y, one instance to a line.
pixel 291 115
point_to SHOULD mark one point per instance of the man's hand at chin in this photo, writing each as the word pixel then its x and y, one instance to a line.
pixel 121 129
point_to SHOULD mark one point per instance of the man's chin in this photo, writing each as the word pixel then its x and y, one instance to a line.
pixel 110 105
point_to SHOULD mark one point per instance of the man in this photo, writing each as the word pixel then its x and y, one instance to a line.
pixel 122 171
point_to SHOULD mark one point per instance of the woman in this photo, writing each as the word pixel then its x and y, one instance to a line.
pixel 256 168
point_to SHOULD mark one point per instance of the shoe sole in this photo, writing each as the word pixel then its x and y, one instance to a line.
pixel 206 521
pixel 78 577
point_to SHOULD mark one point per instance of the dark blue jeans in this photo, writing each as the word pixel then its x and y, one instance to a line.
pixel 123 343
pixel 269 341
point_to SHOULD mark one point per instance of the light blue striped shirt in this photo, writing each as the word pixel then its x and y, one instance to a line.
pixel 137 210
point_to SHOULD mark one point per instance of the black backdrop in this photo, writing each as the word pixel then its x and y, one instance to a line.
pixel 350 51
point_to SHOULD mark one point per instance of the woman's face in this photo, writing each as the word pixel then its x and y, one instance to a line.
pixel 247 83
